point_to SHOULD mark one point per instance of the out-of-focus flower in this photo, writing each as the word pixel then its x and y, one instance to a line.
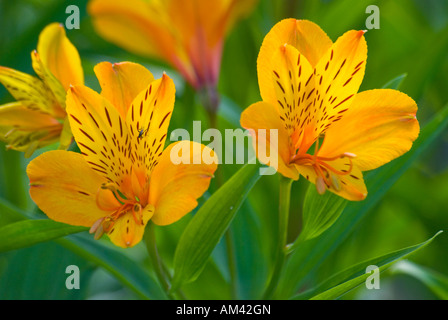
pixel 38 116
pixel 123 177
pixel 189 35
pixel 309 88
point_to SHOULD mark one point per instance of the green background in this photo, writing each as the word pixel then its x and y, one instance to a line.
pixel 412 40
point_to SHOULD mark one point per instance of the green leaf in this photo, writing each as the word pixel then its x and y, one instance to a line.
pixel 320 212
pixel 126 270
pixel 129 273
pixel 39 273
pixel 312 254
pixel 209 224
pixel 435 281
pixel 356 275
pixel 29 232
pixel 395 83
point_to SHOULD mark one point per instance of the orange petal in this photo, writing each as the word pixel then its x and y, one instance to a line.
pixel 133 25
pixel 122 82
pixel 174 188
pixel 307 37
pixel 60 56
pixel 100 133
pixel 128 231
pixel 64 187
pixel 148 119
pixel 379 127
pixel 339 74
pixel 262 115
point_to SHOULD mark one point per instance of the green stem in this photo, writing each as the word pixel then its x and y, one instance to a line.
pixel 210 101
pixel 280 257
pixel 150 241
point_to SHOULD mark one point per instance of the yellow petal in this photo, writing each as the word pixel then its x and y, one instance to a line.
pixel 379 127
pixel 293 80
pixel 121 82
pixel 53 85
pixel 23 118
pixel 262 115
pixel 60 56
pixel 128 231
pixel 64 187
pixel 148 119
pixel 307 37
pixel 339 74
pixel 29 90
pixel 66 135
pixel 174 188
pixel 100 133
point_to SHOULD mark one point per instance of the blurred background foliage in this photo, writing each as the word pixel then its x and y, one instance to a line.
pixel 412 40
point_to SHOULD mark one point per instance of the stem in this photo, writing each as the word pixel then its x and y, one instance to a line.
pixel 280 257
pixel 150 241
pixel 210 100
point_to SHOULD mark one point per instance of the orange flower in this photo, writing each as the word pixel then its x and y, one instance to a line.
pixel 38 117
pixel 187 34
pixel 309 88
pixel 123 177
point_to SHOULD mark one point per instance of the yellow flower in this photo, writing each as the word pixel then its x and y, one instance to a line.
pixel 187 34
pixel 309 88
pixel 38 116
pixel 123 176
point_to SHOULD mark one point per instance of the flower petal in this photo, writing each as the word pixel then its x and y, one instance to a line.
pixel 100 133
pixel 174 188
pixel 60 56
pixel 53 85
pixel 64 187
pixel 293 79
pixel 23 118
pixel 339 74
pixel 133 25
pixel 307 37
pixel 122 82
pixel 29 90
pixel 263 115
pixel 148 119
pixel 127 231
pixel 379 127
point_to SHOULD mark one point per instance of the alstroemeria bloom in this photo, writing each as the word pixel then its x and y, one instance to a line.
pixel 188 35
pixel 309 86
pixel 123 177
pixel 38 116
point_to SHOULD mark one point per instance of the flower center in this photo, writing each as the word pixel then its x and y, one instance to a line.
pixel 327 175
pixel 105 224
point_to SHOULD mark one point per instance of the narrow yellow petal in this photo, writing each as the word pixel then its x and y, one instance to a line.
pixel 339 74
pixel 64 187
pixel 175 188
pixel 148 119
pixel 29 90
pixel 60 56
pixel 100 133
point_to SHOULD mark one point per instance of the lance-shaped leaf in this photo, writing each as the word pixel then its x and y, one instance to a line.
pixel 356 275
pixel 26 233
pixel 209 224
